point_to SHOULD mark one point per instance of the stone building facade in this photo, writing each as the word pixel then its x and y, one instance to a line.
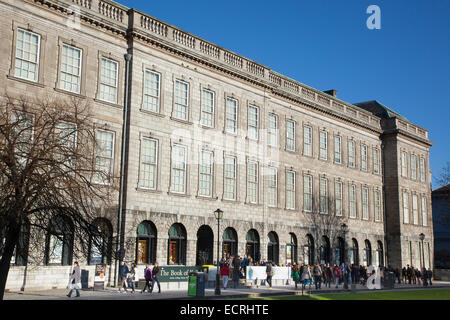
pixel 207 128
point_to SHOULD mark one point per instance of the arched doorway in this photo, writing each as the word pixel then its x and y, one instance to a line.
pixel 354 252
pixel 339 251
pixel 146 243
pixel 100 244
pixel 273 247
pixel 308 250
pixel 325 250
pixel 367 259
pixel 379 256
pixel 230 241
pixel 291 249
pixel 205 241
pixel 252 245
pixel 176 253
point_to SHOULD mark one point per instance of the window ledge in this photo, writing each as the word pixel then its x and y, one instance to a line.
pixel 38 84
pixel 112 104
pixel 181 120
pixel 157 114
pixel 70 93
pixel 231 201
pixel 184 195
pixel 207 198
pixel 140 189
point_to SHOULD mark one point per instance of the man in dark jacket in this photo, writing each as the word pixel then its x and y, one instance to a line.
pixel 236 271
pixel 123 270
pixel 156 272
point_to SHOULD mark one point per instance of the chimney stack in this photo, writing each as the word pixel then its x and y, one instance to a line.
pixel 331 92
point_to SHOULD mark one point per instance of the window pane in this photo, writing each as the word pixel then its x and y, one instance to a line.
pixel 151 91
pixel 70 69
pixel 27 55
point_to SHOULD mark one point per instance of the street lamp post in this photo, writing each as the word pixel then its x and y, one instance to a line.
pixel 344 229
pixel 218 214
pixel 422 237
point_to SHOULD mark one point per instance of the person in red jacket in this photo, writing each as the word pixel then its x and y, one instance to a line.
pixel 336 274
pixel 225 273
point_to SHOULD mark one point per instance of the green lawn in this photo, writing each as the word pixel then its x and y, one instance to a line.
pixel 427 294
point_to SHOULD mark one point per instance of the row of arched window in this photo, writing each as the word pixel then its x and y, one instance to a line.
pixel 59 246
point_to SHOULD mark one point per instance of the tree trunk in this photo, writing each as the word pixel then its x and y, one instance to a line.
pixel 12 236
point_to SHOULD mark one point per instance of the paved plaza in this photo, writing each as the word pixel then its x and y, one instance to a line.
pixel 239 293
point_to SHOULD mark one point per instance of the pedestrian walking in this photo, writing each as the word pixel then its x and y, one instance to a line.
pixel 236 271
pixel 295 274
pixel 123 271
pixel 225 273
pixel 306 277
pixel 156 272
pixel 430 276
pixel 336 275
pixel 131 277
pixel 75 279
pixel 148 278
pixel 317 273
pixel 269 273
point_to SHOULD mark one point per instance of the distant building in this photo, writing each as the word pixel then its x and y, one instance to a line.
pixel 441 225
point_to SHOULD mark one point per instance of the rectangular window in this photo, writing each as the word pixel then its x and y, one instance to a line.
pixel 231 116
pixel 66 134
pixel 252 182
pixel 272 185
pixel 364 157
pixel 253 122
pixel 404 165
pixel 179 154
pixel 376 161
pixel 377 205
pixel 323 193
pixel 422 169
pixel 230 178
pixel 207 118
pixel 365 203
pixel 152 87
pixel 290 190
pixel 181 100
pixel 338 197
pixel 149 160
pixel 71 69
pixel 108 80
pixel 23 132
pixel 104 156
pixel 413 167
pixel 307 141
pixel 415 209
pixel 424 212
pixel 337 149
pixel 351 153
pixel 26 65
pixel 307 193
pixel 272 130
pixel 290 135
pixel 352 201
pixel 206 174
pixel 405 208
pixel 323 148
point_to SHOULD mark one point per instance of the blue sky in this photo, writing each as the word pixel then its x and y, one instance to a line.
pixel 326 44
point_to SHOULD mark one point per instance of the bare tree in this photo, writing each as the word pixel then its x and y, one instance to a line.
pixel 444 178
pixel 321 222
pixel 53 179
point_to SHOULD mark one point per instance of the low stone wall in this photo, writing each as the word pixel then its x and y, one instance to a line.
pixel 442 274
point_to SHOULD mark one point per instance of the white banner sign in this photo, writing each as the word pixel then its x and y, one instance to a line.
pixel 259 273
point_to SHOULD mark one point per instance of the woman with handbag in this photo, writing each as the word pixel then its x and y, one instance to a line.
pixel 75 279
